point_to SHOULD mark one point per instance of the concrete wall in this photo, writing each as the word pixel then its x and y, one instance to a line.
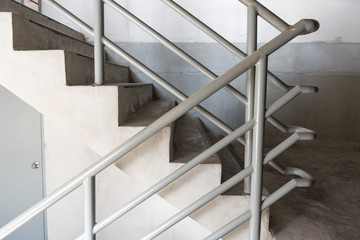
pixel 65 157
pixel 333 51
pixel 338 19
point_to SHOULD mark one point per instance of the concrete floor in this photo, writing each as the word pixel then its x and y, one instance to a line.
pixel 330 209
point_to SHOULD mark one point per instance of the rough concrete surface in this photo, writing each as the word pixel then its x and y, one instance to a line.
pixel 330 209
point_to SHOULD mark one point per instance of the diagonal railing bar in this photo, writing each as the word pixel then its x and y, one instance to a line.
pixel 165 120
pixel 254 9
pixel 279 125
pixel 136 63
pixel 171 46
pixel 289 96
pixel 172 177
pixel 220 39
pixel 199 203
pixel 232 48
pixel 274 197
pixel 286 144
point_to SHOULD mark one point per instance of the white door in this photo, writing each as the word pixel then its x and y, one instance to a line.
pixel 21 166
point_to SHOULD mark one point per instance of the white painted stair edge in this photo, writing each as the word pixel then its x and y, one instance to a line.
pixel 90 114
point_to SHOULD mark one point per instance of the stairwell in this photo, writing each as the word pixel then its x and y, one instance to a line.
pixel 50 67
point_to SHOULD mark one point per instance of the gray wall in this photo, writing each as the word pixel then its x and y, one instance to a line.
pixel 334 67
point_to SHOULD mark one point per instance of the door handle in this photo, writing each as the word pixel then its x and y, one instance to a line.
pixel 35 165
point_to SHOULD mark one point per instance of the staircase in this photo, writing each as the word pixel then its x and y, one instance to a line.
pixel 51 67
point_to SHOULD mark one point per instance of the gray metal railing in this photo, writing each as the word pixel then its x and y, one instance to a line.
pixel 256 114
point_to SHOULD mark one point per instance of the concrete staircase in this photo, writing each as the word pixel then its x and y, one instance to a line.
pixel 50 67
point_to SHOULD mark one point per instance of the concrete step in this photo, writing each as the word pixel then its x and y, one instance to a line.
pixel 132 97
pixel 231 164
pixel 31 35
pixel 14 7
pixel 190 139
pixel 80 71
pixel 148 113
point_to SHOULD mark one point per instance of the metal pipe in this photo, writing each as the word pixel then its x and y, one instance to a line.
pixel 199 203
pixel 215 120
pixel 258 148
pixel 133 61
pixel 283 101
pixel 173 176
pixel 146 70
pixel 70 16
pixel 218 38
pixel 279 125
pixel 274 197
pixel 40 6
pixel 289 96
pixel 281 148
pixel 267 15
pixel 89 208
pixel 99 54
pixel 171 46
pixel 230 226
pixel 292 171
pixel 250 88
pixel 156 126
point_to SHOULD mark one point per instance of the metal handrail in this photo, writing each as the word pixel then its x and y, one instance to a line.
pixel 199 203
pixel 254 9
pixel 172 115
pixel 172 177
pixel 218 38
pixel 266 203
pixel 136 63
pixel 267 15
pixel 171 46
pixel 258 58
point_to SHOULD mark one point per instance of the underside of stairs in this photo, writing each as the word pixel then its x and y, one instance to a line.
pixel 50 67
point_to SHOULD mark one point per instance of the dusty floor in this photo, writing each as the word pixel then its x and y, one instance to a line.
pixel 330 209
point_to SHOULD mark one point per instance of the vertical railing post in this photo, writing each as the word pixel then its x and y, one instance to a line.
pixel 250 82
pixel 89 208
pixel 258 148
pixel 98 45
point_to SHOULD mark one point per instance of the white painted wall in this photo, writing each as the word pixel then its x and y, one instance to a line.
pixel 339 19
pixel 65 156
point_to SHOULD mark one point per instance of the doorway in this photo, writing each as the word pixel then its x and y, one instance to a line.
pixel 21 171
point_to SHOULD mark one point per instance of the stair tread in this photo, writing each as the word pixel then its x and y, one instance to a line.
pixel 128 84
pixel 190 141
pixel 150 112
pixel 31 35
pixel 17 8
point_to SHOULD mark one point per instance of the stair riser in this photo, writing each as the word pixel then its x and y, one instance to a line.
pixel 11 6
pixel 80 71
pixel 29 35
pixel 132 98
